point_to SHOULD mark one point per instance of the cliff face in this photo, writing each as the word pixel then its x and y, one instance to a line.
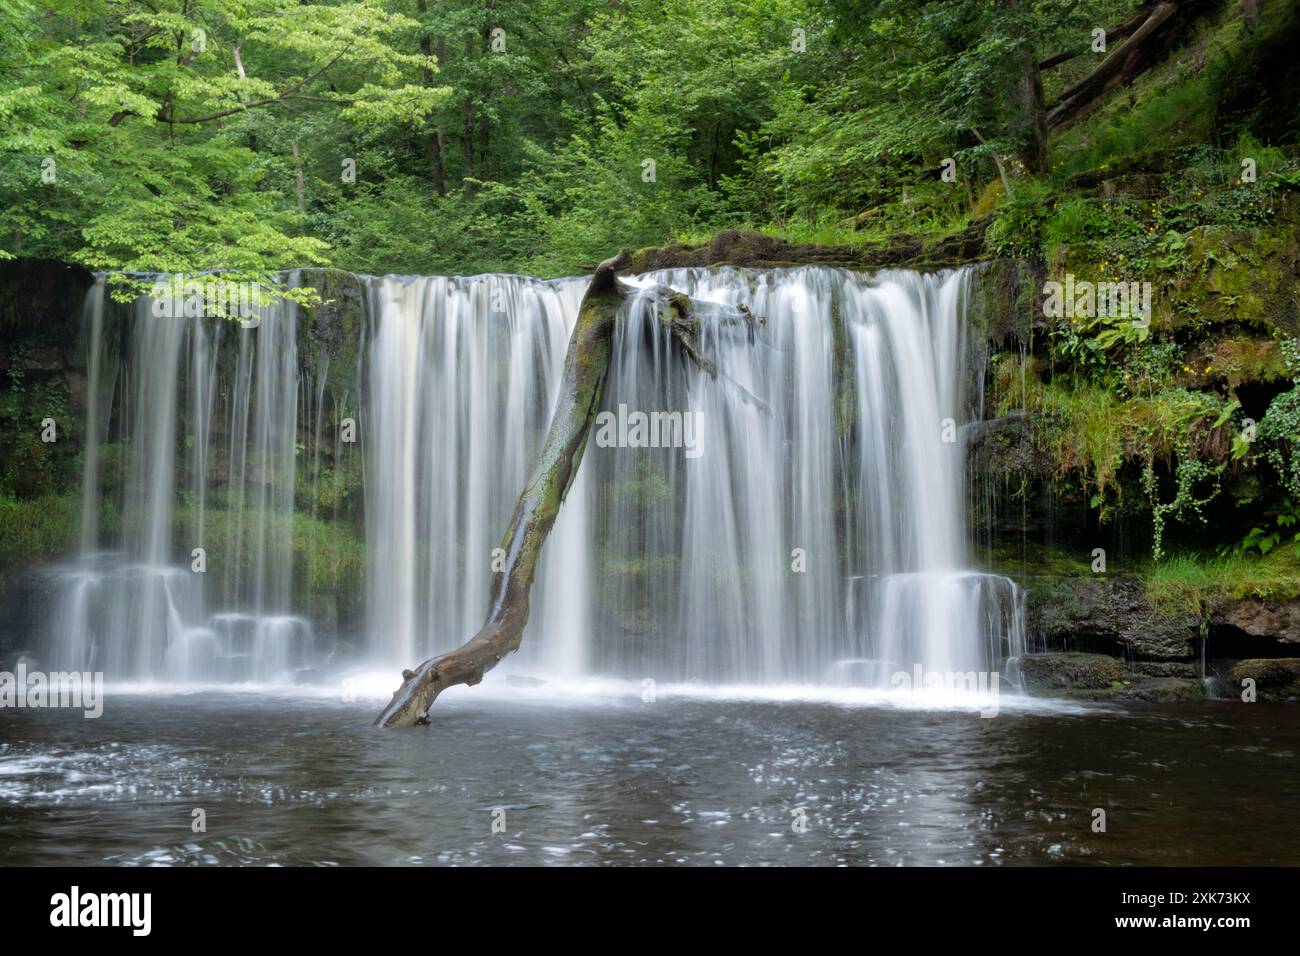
pixel 1139 476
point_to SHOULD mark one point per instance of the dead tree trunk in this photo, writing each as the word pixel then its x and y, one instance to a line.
pixel 585 366
pixel 1126 60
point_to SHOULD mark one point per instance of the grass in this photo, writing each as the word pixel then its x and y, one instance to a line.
pixel 828 227
pixel 37 530
pixel 1186 582
pixel 328 557
pixel 1174 103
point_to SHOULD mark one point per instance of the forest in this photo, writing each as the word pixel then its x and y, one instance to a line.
pixel 539 138
pixel 967 335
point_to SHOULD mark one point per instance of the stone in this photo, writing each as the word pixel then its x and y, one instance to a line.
pixel 1276 678
pixel 1279 620
pixel 1069 670
pixel 1108 609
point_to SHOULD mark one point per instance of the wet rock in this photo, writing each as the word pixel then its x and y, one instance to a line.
pixel 1186 671
pixel 1164 690
pixel 1275 678
pixel 1108 610
pixel 1102 677
pixel 1003 446
pixel 1066 671
pixel 1279 620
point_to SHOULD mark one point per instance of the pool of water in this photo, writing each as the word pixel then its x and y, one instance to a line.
pixel 510 775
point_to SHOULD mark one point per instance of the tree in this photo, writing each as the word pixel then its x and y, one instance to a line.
pixel 150 137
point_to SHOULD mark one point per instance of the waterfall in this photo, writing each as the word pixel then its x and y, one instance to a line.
pixel 461 377
pixel 811 529
pixel 820 534
pixel 179 399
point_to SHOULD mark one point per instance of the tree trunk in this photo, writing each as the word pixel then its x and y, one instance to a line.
pixel 485 121
pixel 298 186
pixel 1128 59
pixel 1028 116
pixel 585 367
pixel 433 139
pixel 467 129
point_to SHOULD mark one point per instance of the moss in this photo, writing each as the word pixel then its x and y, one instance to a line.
pixel 36 530
pixel 1276 679
pixel 334 326
pixel 1003 299
pixel 1038 561
pixel 1071 671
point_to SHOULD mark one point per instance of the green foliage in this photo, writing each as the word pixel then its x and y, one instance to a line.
pixel 152 137
pixel 37 529
pixel 328 557
pixel 1188 581
pixel 1264 538
pixel 173 136
pixel 1017 230
pixel 30 466
pixel 1279 431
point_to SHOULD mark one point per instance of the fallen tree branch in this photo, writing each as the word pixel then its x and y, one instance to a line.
pixel 585 367
pixel 1123 57
pixel 1114 33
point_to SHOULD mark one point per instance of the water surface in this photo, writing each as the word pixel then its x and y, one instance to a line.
pixel 299 780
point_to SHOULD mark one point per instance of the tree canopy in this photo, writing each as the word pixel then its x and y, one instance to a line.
pixel 536 135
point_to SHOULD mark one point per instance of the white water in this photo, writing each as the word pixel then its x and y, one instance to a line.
pixel 135 605
pixel 818 539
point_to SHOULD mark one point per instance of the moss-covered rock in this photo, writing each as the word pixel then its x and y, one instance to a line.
pixel 747 248
pixel 1108 610
pixel 1005 304
pixel 1045 673
pixel 1164 690
pixel 1275 678
pixel 1102 677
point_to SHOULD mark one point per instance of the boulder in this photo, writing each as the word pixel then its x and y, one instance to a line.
pixel 1276 678
pixel 1065 671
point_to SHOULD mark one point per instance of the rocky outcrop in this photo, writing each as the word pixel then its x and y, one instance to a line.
pixel 744 248
pixel 1279 620
pixel 1047 673
pixel 1001 447
pixel 1109 612
pixel 1102 677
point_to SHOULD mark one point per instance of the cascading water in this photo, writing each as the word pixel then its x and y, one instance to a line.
pixel 815 534
pixel 460 378
pixel 819 534
pixel 140 602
